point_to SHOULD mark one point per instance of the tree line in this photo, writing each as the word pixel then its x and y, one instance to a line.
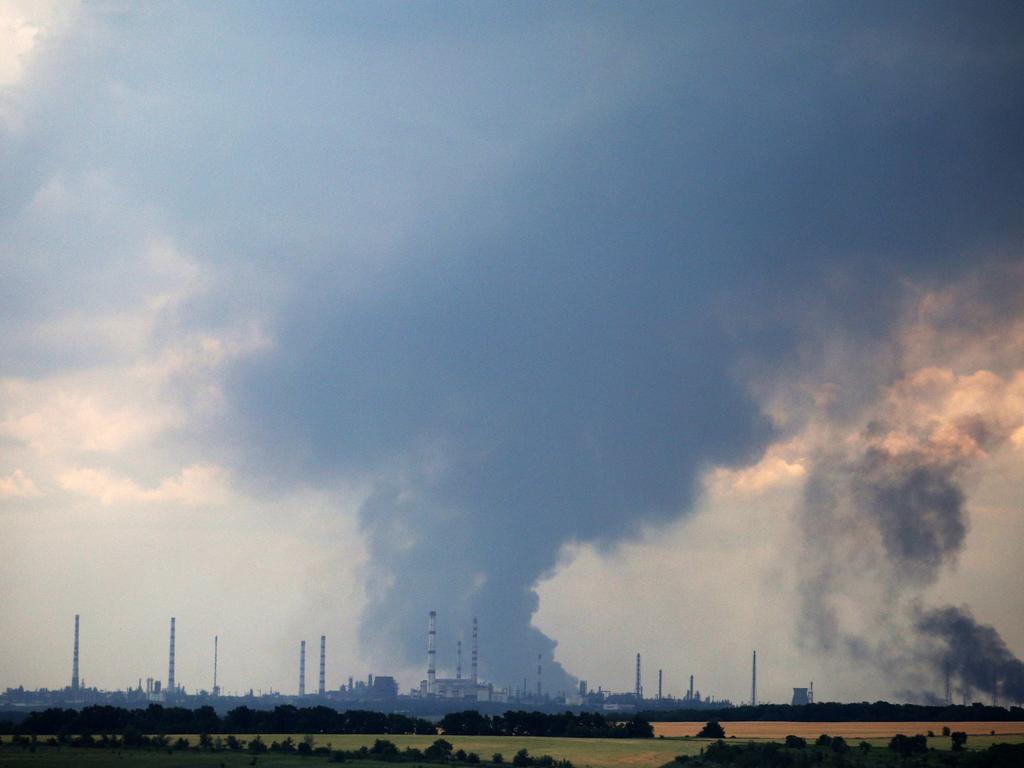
pixel 583 725
pixel 157 719
pixel 834 712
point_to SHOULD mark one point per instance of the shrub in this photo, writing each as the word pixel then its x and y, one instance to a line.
pixel 497 758
pixel 257 745
pixel 824 740
pixel 383 747
pixel 959 738
pixel 839 745
pixel 945 730
pixel 908 745
pixel 439 750
pixel 795 742
pixel 712 730
pixel 522 758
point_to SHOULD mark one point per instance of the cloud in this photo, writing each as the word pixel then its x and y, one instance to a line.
pixel 18 485
pixel 885 507
pixel 196 486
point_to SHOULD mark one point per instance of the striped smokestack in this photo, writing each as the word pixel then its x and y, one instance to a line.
pixel 322 689
pixel 302 668
pixel 431 654
pixel 170 664
pixel 74 660
pixel 475 651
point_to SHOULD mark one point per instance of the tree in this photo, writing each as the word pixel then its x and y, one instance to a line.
pixel 522 758
pixel 712 730
pixel 439 750
pixel 795 742
pixel 959 738
pixel 497 758
pixel 908 745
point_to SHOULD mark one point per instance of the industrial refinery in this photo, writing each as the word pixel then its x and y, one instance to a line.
pixel 435 694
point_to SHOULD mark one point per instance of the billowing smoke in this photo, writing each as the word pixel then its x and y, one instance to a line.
pixel 972 653
pixel 885 506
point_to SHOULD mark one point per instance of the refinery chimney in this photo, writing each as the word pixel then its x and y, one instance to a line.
pixel 432 654
pixel 639 688
pixel 753 683
pixel 322 689
pixel 74 660
pixel 659 685
pixel 691 687
pixel 475 651
pixel 171 690
pixel 302 668
pixel 539 688
pixel 458 663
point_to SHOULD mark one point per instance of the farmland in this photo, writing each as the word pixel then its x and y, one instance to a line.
pixel 770 729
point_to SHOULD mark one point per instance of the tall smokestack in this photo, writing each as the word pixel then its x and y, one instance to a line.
pixel 753 683
pixel 322 689
pixel 74 660
pixel 539 687
pixel 659 685
pixel 170 664
pixel 458 663
pixel 639 688
pixel 475 651
pixel 949 688
pixel 216 688
pixel 691 688
pixel 432 654
pixel 302 668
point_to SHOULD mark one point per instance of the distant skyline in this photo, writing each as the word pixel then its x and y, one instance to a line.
pixel 684 330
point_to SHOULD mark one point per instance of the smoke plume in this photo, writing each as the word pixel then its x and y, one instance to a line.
pixel 885 505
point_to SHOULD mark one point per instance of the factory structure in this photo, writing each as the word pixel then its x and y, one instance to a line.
pixel 434 694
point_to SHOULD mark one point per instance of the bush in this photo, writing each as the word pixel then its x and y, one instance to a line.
pixel 497 758
pixel 522 758
pixel 959 738
pixel 908 745
pixel 473 758
pixel 383 747
pixel 945 730
pixel 839 745
pixel 712 730
pixel 257 746
pixel 824 740
pixel 439 750
pixel 795 742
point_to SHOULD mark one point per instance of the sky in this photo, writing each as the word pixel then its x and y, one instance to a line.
pixel 673 329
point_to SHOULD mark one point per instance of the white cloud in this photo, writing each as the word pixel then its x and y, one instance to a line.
pixel 17 485
pixel 196 485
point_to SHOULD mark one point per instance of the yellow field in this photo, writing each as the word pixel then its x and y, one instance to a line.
pixel 756 729
pixel 596 753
